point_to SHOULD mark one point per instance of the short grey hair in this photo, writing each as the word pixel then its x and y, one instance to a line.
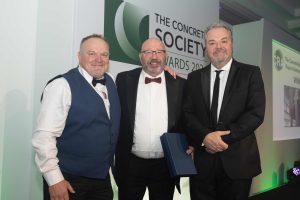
pixel 217 25
pixel 98 36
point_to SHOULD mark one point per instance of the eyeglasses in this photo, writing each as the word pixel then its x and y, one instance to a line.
pixel 151 52
pixel 94 54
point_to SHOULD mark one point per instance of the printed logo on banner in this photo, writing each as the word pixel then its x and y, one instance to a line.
pixel 278 60
pixel 126 27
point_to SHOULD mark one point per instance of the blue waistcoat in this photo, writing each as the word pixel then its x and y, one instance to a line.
pixel 87 144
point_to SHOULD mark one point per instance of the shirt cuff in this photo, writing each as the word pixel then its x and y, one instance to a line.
pixel 54 176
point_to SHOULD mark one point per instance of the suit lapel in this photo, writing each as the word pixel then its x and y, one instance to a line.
pixel 229 85
pixel 172 97
pixel 132 81
pixel 205 86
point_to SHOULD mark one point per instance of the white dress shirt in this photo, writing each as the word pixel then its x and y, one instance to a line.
pixel 50 125
pixel 223 80
pixel 151 118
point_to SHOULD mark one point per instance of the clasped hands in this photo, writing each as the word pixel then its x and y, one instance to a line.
pixel 213 142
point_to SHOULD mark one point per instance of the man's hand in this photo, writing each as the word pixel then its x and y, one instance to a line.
pixel 60 190
pixel 214 143
pixel 190 151
pixel 170 70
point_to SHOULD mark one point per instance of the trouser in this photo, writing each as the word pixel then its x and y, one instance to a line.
pixel 86 188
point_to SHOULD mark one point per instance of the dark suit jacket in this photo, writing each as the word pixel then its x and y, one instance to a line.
pixel 127 85
pixel 242 112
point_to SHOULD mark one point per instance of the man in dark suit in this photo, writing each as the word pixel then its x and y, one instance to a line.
pixel 221 115
pixel 151 103
pixel 78 126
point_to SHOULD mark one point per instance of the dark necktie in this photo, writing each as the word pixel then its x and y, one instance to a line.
pixel 149 80
pixel 215 100
pixel 101 81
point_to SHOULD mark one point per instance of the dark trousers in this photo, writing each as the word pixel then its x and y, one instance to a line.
pixel 147 173
pixel 218 186
pixel 86 188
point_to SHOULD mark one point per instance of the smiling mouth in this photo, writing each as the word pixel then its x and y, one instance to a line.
pixel 98 65
pixel 155 62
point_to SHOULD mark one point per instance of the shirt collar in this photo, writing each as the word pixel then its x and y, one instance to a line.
pixel 225 68
pixel 162 75
pixel 147 75
pixel 85 74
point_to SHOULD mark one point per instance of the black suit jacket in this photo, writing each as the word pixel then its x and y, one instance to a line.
pixel 242 111
pixel 127 85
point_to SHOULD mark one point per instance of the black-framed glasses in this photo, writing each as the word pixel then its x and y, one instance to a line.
pixel 151 52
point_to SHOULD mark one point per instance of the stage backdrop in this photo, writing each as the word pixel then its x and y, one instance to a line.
pixel 286 91
pixel 126 24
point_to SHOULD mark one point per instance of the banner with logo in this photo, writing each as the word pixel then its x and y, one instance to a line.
pixel 127 24
pixel 286 92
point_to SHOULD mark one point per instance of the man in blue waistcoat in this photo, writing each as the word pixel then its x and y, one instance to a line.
pixel 77 127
